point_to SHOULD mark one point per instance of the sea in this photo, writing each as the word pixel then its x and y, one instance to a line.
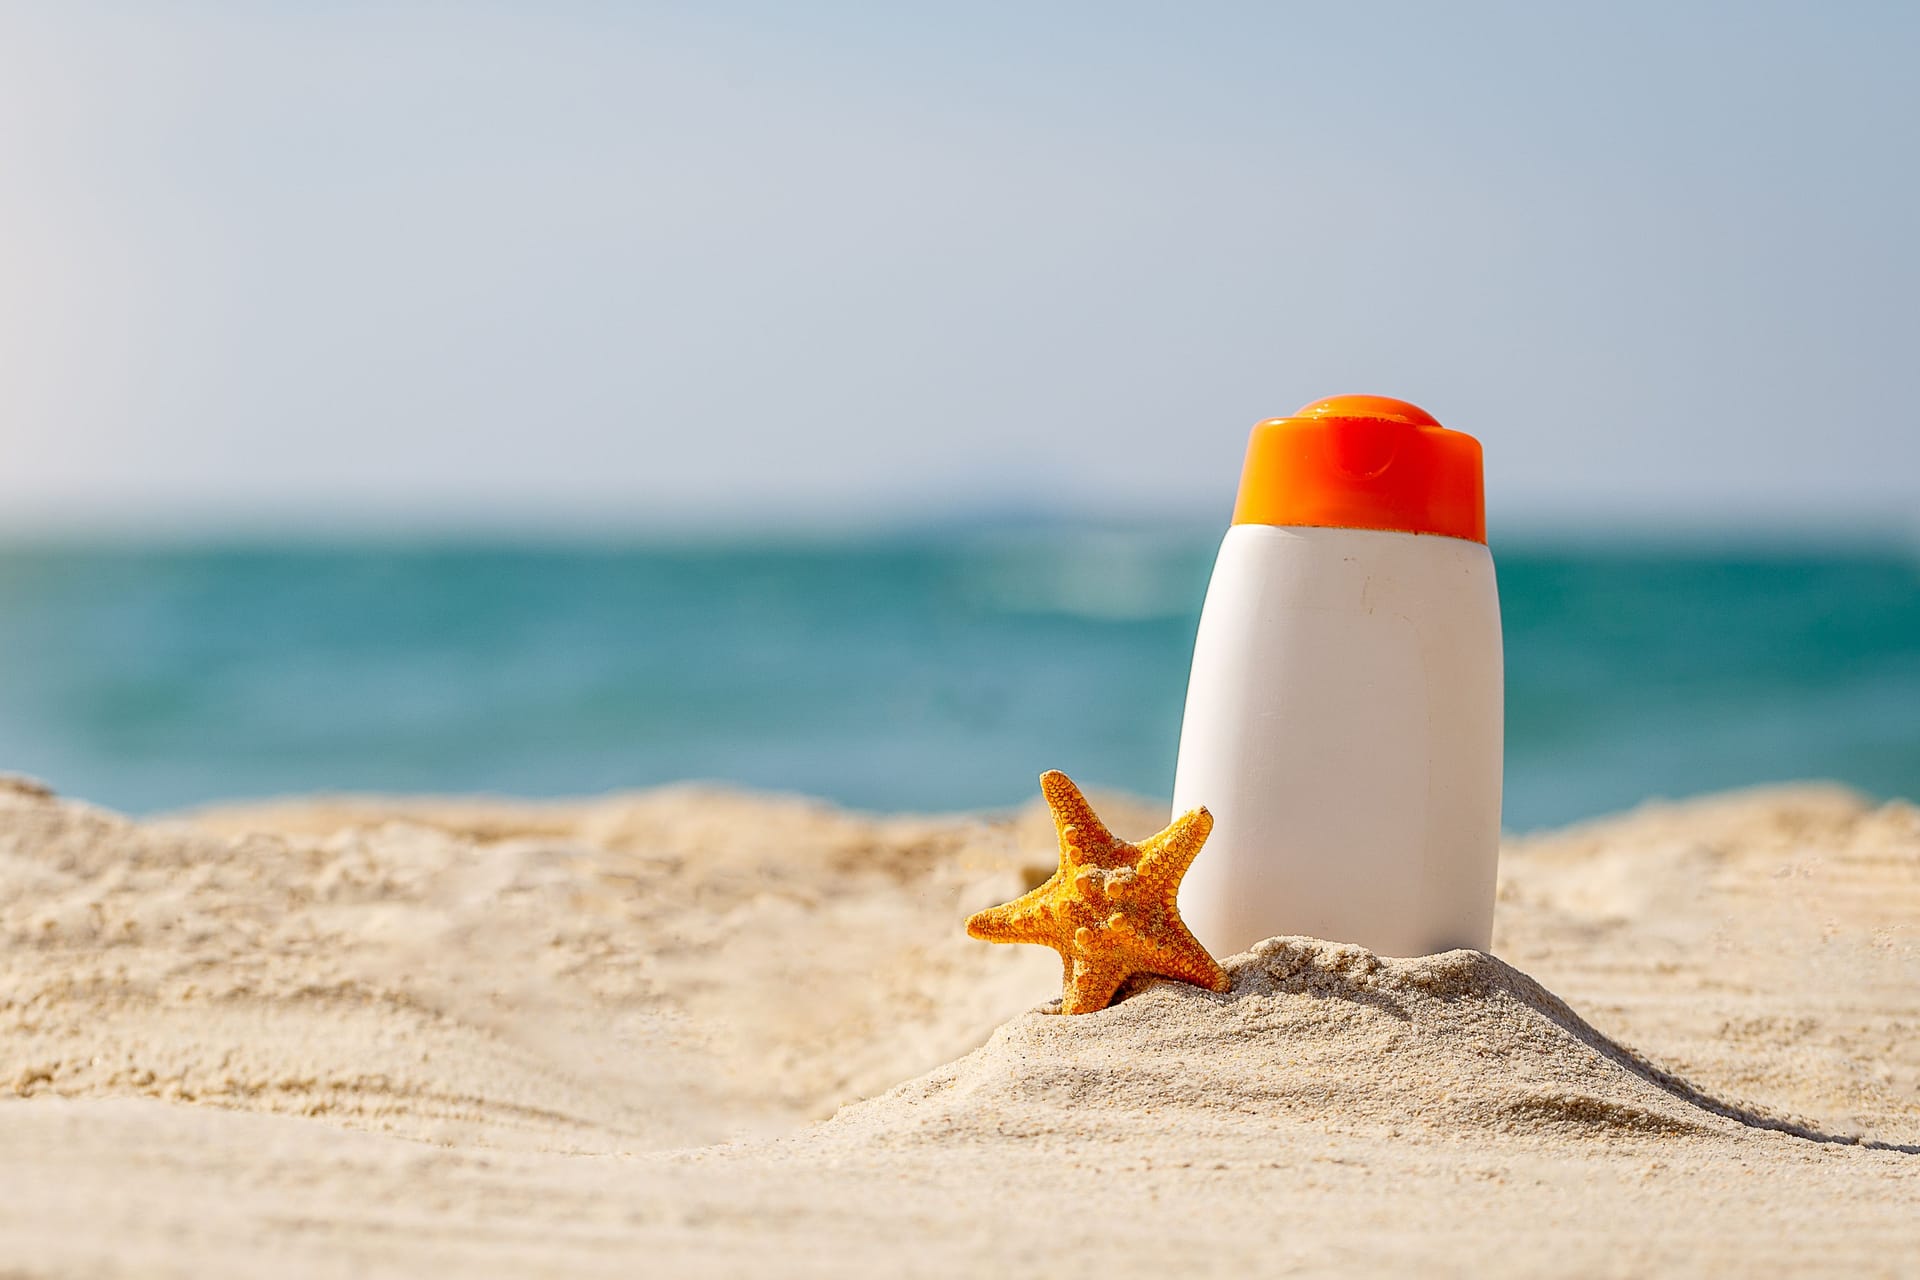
pixel 930 670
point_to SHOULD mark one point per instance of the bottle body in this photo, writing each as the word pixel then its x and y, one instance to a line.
pixel 1344 727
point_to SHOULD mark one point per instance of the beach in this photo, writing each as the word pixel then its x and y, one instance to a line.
pixel 863 642
pixel 703 1031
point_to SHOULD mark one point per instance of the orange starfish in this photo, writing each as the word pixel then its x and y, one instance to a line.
pixel 1110 909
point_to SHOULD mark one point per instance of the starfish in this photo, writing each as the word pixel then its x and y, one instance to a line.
pixel 1110 910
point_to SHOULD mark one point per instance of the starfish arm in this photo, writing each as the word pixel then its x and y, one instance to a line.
pixel 1073 818
pixel 1168 854
pixel 1028 918
pixel 1173 952
pixel 1186 959
pixel 1090 986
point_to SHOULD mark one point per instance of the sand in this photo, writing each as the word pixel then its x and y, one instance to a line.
pixel 703 1032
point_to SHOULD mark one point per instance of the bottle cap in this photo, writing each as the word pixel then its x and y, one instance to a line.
pixel 1363 462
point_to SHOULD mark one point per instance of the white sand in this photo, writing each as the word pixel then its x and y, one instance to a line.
pixel 331 1037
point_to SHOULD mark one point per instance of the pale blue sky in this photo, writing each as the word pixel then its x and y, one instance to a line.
pixel 483 263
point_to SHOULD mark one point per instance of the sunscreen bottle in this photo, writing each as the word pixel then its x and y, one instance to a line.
pixel 1343 718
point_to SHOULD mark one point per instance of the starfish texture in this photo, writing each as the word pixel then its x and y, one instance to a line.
pixel 1110 910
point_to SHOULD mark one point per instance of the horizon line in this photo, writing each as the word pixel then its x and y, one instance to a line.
pixel 1626 525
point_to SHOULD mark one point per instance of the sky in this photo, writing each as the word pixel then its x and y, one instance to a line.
pixel 723 264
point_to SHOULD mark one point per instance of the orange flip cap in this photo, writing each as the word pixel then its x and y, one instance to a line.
pixel 1363 462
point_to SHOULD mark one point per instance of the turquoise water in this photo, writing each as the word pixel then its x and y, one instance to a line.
pixel 931 672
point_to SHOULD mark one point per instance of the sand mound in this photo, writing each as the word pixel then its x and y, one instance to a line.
pixel 1314 1031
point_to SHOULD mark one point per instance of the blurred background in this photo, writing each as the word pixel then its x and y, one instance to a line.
pixel 550 399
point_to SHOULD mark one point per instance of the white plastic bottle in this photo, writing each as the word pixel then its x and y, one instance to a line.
pixel 1344 716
